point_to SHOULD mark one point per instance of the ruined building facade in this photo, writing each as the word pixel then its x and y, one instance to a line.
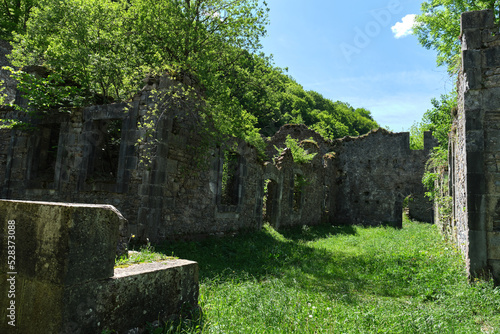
pixel 194 186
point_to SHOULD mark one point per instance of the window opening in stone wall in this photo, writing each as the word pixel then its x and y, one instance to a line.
pixel 270 202
pixel 230 178
pixel 406 206
pixel 298 189
pixel 45 155
pixel 106 141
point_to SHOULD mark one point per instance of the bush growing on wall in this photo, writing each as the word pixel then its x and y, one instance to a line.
pixel 300 155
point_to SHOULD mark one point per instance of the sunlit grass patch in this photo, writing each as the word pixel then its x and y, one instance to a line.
pixel 143 255
pixel 328 279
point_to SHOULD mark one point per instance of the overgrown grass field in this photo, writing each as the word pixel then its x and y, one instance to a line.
pixel 330 279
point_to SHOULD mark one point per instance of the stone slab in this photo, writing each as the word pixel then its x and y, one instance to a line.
pixel 59 242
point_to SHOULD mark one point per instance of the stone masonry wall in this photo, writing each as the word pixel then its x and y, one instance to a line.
pixel 475 146
pixel 178 194
pixel 197 185
pixel 375 173
pixel 367 178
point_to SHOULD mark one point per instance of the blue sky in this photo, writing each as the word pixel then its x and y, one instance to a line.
pixel 347 51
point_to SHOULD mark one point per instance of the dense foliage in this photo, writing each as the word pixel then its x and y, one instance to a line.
pixel 437 119
pixel 101 50
pixel 14 15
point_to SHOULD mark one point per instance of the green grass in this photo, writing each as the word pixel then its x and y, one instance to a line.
pixel 143 255
pixel 330 279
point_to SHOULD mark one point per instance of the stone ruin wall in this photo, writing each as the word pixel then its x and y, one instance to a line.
pixel 375 173
pixel 351 181
pixel 475 146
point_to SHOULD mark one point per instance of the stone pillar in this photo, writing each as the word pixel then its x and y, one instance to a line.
pixel 477 145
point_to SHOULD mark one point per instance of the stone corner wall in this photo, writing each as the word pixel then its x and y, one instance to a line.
pixel 475 146
pixel 61 276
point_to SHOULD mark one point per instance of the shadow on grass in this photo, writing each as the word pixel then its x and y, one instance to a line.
pixel 311 233
pixel 287 256
pixel 259 253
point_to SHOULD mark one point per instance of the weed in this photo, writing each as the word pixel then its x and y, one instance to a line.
pixel 145 254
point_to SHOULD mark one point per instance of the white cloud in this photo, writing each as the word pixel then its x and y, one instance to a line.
pixel 405 27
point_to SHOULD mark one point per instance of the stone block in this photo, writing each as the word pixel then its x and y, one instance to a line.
pixel 130 150
pixel 472 100
pixel 473 78
pixel 492 57
pixel 155 190
pixel 475 204
pixel 492 81
pixel 134 296
pixel 476 220
pixel 475 141
pixel 474 120
pixel 471 59
pixel 131 162
pixel 172 166
pixel 492 143
pixel 478 253
pixel 475 162
pixel 491 99
pixel 495 270
pixel 477 19
pixel 476 184
pixel 62 243
pixel 488 35
pixel 471 39
pixel 493 245
pixel 429 141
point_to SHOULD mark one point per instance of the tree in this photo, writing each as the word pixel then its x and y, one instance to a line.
pixel 438 27
pixel 439 118
pixel 81 41
pixel 104 45
pixel 14 15
pixel 95 51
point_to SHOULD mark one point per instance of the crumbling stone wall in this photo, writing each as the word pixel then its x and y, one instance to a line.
pixel 364 180
pixel 195 184
pixel 178 193
pixel 375 173
pixel 475 146
pixel 5 138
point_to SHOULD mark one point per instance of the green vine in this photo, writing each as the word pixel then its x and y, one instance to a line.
pixel 435 181
pixel 435 170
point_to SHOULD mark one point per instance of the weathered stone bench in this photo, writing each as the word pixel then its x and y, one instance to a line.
pixel 58 276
